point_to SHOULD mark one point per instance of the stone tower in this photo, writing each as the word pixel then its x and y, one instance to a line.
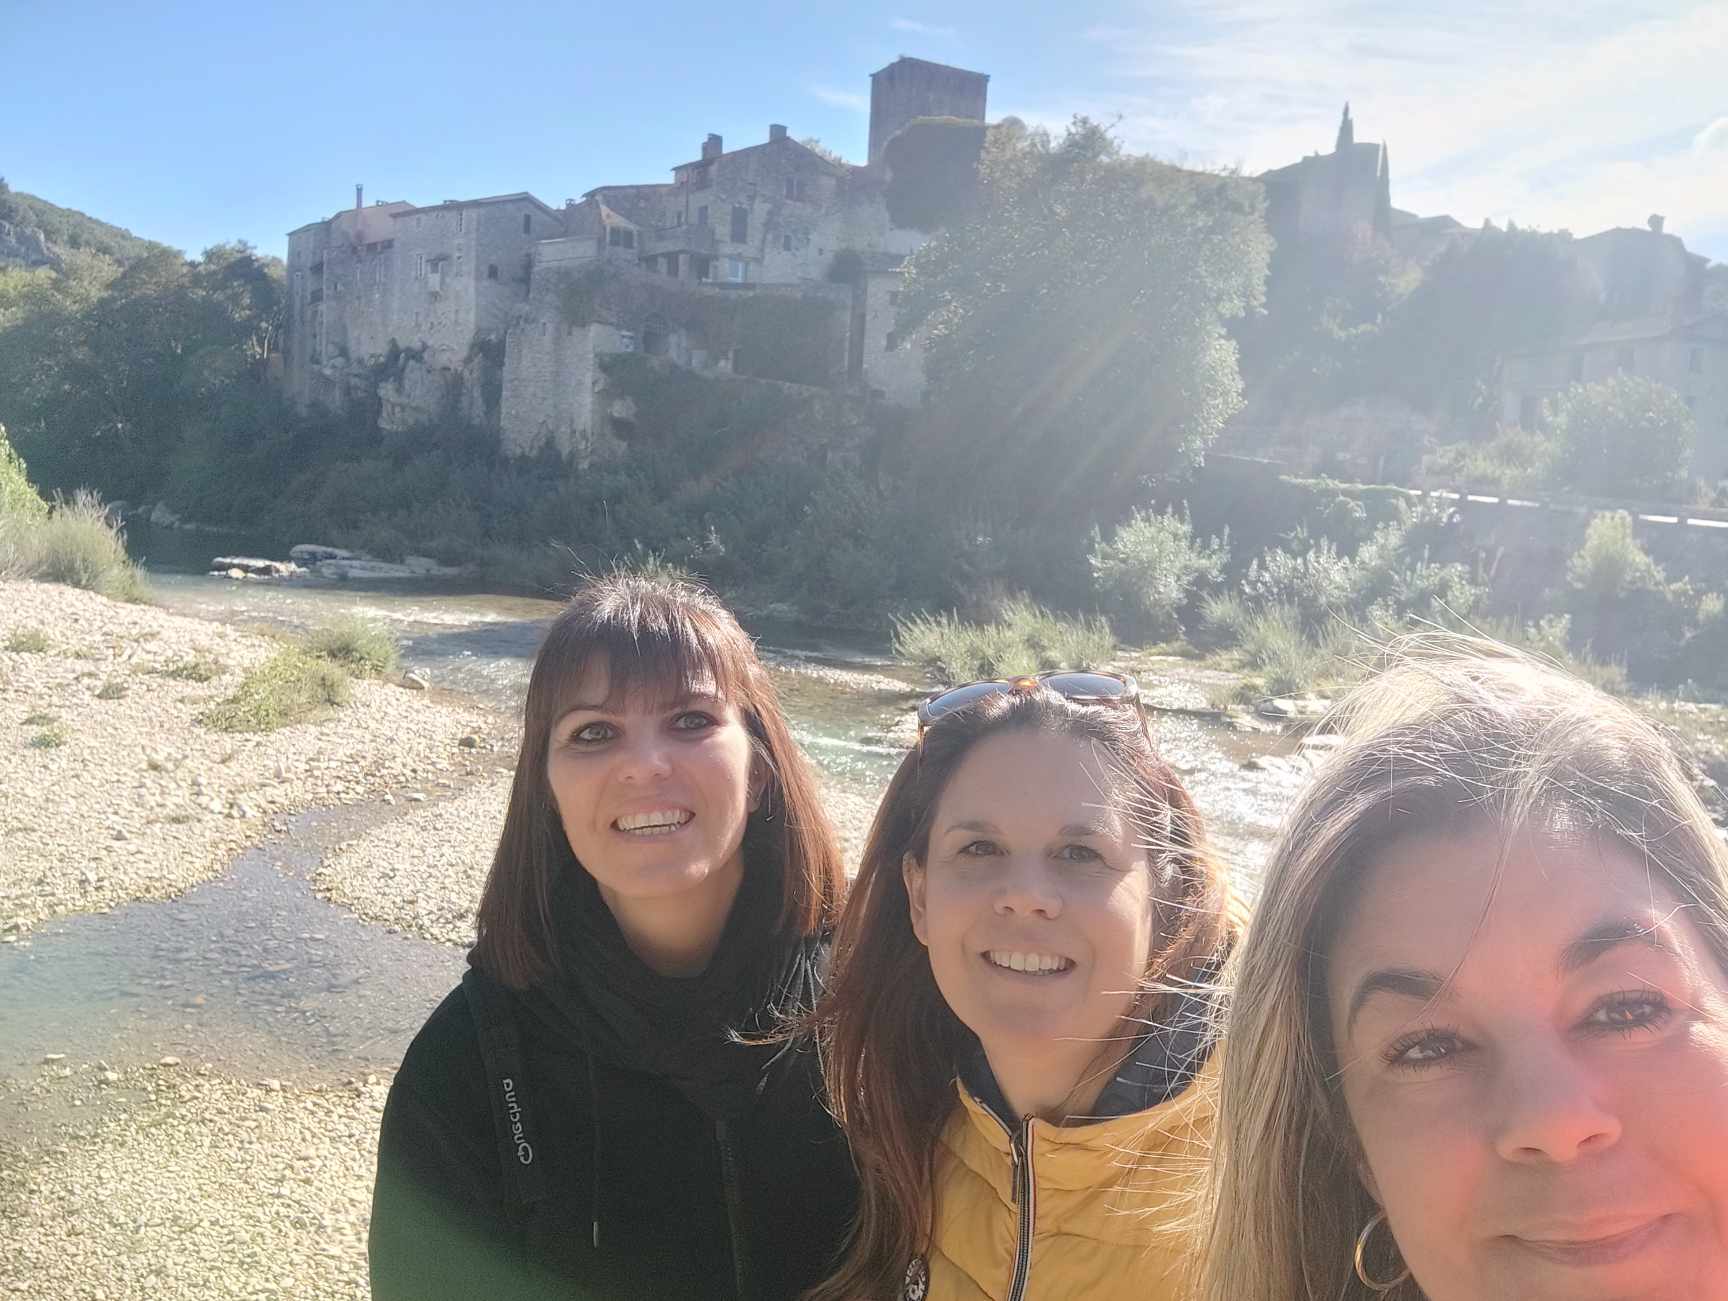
pixel 913 88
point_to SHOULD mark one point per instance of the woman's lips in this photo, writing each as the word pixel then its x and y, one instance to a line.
pixel 1591 1248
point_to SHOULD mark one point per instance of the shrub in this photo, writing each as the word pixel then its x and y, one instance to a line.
pixel 1147 570
pixel 289 687
pixel 200 668
pixel 1223 621
pixel 18 500
pixel 29 641
pixel 1027 639
pixel 1624 436
pixel 78 544
pixel 1395 581
pixel 1622 606
pixel 362 647
pixel 1514 460
pixel 113 689
pixel 1311 580
pixel 49 738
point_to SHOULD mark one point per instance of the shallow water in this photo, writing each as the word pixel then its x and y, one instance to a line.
pixel 259 977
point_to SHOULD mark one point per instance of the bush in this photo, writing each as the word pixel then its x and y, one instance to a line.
pixel 1027 639
pixel 78 544
pixel 18 500
pixel 1396 581
pixel 289 687
pixel 200 668
pixel 1147 570
pixel 1611 562
pixel 358 645
pixel 1514 460
pixel 1311 580
pixel 29 641
pixel 1223 621
pixel 1624 436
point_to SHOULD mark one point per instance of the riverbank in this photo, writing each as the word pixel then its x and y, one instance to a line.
pixel 115 791
pixel 173 1183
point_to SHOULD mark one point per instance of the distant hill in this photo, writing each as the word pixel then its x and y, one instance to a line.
pixel 62 229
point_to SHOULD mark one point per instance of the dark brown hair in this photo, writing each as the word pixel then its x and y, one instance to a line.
pixel 890 1041
pixel 663 637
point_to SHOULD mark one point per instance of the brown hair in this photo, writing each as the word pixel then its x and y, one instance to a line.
pixel 663 636
pixel 890 1041
pixel 1456 734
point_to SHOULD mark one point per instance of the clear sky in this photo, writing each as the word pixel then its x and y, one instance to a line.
pixel 190 121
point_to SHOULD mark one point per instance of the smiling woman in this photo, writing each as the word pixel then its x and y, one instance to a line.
pixel 1479 1026
pixel 598 1110
pixel 1016 1031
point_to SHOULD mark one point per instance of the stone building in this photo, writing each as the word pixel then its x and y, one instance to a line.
pixel 497 309
pixel 1649 320
pixel 1341 195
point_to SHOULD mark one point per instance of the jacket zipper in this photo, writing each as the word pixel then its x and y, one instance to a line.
pixel 1026 1203
pixel 734 1209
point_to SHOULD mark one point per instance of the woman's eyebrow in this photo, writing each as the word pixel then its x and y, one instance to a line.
pixel 1405 982
pixel 1606 936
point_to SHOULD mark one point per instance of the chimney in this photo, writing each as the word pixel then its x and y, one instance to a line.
pixel 359 197
pixel 712 147
pixel 1657 221
pixel 776 132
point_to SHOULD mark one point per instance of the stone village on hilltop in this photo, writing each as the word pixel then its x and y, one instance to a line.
pixel 777 261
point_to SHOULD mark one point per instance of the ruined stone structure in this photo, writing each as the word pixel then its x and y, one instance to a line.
pixel 1346 193
pixel 497 309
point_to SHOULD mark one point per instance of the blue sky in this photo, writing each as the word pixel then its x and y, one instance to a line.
pixel 192 122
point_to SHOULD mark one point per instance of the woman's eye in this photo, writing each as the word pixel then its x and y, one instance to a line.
pixel 1630 1011
pixel 1425 1048
pixel 1079 854
pixel 978 849
pixel 693 721
pixel 592 733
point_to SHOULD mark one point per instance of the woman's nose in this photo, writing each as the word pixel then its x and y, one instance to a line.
pixel 1551 1107
pixel 1026 888
pixel 644 760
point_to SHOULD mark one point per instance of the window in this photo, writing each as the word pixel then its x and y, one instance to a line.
pixel 527 223
pixel 892 343
pixel 491 270
pixel 672 265
pixel 1695 363
pixel 1624 357
pixel 461 220
pixel 620 237
pixel 794 187
pixel 740 224
pixel 786 243
pixel 737 270
pixel 626 341
pixel 419 265
pixel 701 268
pixel 702 215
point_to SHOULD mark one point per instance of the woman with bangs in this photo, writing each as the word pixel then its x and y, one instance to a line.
pixel 600 1111
pixel 1016 1033
pixel 1479 1025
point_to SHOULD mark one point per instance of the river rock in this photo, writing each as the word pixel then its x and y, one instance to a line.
pixel 310 553
pixel 163 518
pixel 257 566
pixel 415 680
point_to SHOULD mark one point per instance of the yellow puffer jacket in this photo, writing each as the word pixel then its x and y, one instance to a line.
pixel 1098 1213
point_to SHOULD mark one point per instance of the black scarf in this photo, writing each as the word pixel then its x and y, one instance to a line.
pixel 683 1029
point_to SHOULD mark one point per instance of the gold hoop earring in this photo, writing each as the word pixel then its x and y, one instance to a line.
pixel 1362 1249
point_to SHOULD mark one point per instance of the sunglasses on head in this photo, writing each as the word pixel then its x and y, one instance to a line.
pixel 1084 687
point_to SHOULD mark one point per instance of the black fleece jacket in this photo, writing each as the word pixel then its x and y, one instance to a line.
pixel 629 1189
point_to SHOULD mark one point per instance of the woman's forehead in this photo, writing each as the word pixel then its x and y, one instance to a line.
pixel 606 682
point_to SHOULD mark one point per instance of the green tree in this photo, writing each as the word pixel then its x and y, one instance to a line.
pixel 1075 326
pixel 1623 436
pixel 1501 291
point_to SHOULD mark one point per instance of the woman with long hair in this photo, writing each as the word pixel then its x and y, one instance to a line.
pixel 1018 1015
pixel 1479 1025
pixel 600 1110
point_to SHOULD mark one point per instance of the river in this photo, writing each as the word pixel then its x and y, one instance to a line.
pixel 260 977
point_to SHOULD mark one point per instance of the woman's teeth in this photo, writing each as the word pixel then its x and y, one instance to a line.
pixel 1036 964
pixel 661 822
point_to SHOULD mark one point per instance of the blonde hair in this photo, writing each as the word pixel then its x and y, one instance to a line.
pixel 1456 733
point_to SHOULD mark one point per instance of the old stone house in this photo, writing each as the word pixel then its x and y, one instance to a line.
pixel 1649 320
pixel 497 309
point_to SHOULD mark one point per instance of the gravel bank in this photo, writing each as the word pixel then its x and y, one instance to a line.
pixel 105 800
pixel 164 1183
pixel 422 873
